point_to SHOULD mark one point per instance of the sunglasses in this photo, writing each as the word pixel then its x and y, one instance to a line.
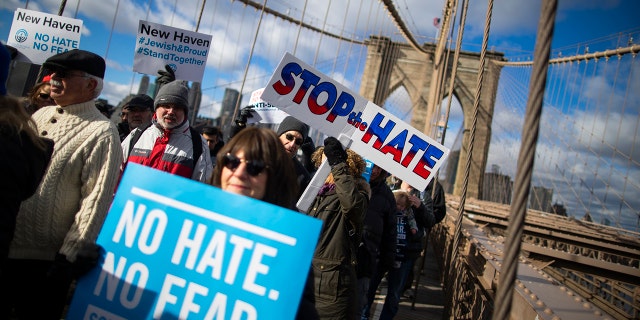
pixel 68 74
pixel 254 167
pixel 290 137
pixel 44 96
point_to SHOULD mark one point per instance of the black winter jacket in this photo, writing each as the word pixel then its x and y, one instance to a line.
pixel 22 167
pixel 379 230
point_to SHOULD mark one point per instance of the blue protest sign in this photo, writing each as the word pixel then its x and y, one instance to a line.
pixel 176 249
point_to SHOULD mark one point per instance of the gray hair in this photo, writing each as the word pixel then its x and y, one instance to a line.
pixel 99 85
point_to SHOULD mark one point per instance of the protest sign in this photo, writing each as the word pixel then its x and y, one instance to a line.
pixel 264 112
pixel 173 248
pixel 326 105
pixel 38 35
pixel 184 51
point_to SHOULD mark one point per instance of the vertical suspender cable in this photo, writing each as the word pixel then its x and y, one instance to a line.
pixel 75 15
pixel 304 9
pixel 133 74
pixel 355 29
pixel 474 120
pixel 456 57
pixel 113 23
pixel 344 21
pixel 471 140
pixel 63 4
pixel 173 12
pixel 204 2
pixel 503 299
pixel 246 68
pixel 326 15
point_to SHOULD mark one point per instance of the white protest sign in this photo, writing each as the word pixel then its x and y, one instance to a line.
pixel 174 248
pixel 184 51
pixel 333 109
pixel 37 35
pixel 263 111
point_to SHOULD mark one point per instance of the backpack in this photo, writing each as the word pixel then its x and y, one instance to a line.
pixel 195 140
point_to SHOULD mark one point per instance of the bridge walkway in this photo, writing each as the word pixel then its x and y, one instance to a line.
pixel 430 297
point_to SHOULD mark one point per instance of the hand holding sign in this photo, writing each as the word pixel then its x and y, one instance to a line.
pixel 334 151
pixel 167 75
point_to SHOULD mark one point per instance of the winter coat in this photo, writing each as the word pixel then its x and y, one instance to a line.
pixel 170 151
pixel 342 211
pixel 414 243
pixel 439 206
pixel 378 239
pixel 22 166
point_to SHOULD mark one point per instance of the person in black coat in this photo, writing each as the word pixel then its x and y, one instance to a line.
pixel 23 161
pixel 378 242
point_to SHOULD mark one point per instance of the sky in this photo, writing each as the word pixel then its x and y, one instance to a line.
pixel 235 61
pixel 110 28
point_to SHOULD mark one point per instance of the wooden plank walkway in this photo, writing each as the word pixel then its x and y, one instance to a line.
pixel 430 297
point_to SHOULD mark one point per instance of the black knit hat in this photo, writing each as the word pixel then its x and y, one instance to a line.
pixel 292 124
pixel 175 92
pixel 140 101
pixel 77 59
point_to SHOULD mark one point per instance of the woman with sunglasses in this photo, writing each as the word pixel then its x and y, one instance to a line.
pixel 254 163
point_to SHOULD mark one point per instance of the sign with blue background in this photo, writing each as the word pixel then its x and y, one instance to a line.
pixel 173 248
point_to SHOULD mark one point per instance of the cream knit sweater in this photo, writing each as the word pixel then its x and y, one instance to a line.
pixel 66 213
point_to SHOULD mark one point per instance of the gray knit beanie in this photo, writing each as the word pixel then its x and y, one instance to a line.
pixel 292 124
pixel 173 92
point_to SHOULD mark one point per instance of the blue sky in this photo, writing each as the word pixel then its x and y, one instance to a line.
pixel 581 25
pixel 233 28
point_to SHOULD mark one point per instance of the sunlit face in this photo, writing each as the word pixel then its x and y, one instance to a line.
pixel 291 140
pixel 71 86
pixel 169 115
pixel 239 181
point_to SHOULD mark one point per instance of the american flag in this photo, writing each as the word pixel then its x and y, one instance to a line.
pixel 436 22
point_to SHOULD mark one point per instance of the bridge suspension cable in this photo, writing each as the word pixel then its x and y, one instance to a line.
pixel 526 158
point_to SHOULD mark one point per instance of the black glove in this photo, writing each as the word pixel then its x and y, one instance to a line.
pixel 85 261
pixel 307 146
pixel 61 270
pixel 245 113
pixel 165 76
pixel 334 151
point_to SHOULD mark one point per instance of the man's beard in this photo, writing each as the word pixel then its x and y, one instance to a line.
pixel 166 125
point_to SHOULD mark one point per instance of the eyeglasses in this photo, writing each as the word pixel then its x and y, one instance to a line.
pixel 44 96
pixel 290 137
pixel 68 74
pixel 254 167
